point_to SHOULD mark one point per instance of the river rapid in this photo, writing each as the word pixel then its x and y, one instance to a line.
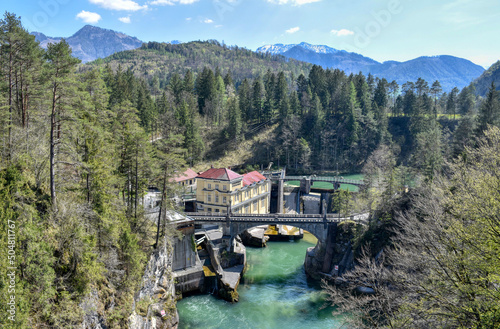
pixel 274 293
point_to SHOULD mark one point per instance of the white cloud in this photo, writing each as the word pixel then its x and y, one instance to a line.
pixel 342 32
pixel 125 20
pixel 293 30
pixel 208 21
pixel 127 5
pixel 172 2
pixel 89 17
pixel 292 2
pixel 189 19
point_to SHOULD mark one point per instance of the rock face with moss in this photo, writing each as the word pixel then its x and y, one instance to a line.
pixel 334 257
pixel 157 294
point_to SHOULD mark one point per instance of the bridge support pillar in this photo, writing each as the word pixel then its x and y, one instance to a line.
pixel 280 208
pixel 330 242
pixel 305 185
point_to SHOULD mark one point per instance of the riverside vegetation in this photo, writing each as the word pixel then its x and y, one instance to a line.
pixel 82 143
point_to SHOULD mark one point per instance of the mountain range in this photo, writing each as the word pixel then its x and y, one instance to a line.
pixel 450 71
pixel 91 43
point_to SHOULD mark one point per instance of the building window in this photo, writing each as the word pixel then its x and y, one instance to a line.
pixel 224 187
pixel 216 186
pixel 209 198
pixel 217 210
pixel 255 205
pixel 216 199
pixel 209 209
pixel 246 209
pixel 224 200
pixel 209 186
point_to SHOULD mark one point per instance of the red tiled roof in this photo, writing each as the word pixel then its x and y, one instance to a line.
pixel 252 177
pixel 188 174
pixel 219 174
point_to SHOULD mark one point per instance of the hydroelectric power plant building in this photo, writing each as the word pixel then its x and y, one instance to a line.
pixel 220 190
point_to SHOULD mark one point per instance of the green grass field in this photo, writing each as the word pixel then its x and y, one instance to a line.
pixel 325 185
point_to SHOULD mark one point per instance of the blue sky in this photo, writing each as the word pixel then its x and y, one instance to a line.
pixel 380 29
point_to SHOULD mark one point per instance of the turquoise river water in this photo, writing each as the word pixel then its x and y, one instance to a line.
pixel 274 293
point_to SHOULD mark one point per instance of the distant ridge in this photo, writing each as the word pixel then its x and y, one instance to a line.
pixel 279 48
pixel 449 70
pixel 483 83
pixel 92 42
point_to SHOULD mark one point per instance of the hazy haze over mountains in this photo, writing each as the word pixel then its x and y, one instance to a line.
pixel 449 70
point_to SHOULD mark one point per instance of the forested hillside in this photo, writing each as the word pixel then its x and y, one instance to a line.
pixel 75 163
pixel 157 62
pixel 81 144
pixel 491 75
pixel 327 120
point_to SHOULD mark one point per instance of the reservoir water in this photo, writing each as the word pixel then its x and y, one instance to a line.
pixel 274 293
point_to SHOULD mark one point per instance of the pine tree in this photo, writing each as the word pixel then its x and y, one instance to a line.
pixel 489 112
pixel 245 101
pixel 61 66
pixel 205 88
pixel 235 123
pixel 188 82
pixel 258 101
pixel 10 28
pixel 435 91
pixel 451 102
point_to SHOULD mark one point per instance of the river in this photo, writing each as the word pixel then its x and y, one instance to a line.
pixel 274 293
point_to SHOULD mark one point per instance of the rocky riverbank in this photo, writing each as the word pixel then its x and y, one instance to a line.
pixel 333 258
pixel 155 302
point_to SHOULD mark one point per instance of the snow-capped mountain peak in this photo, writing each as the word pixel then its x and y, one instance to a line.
pixel 280 48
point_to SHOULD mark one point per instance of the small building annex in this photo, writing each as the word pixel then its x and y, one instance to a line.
pixel 187 178
pixel 219 190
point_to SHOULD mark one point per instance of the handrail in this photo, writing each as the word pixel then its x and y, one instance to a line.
pixel 327 179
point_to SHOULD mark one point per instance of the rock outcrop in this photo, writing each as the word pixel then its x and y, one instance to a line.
pixel 154 303
pixel 91 317
pixel 335 257
pixel 255 237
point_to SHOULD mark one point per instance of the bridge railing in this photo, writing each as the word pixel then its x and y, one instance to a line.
pixel 265 218
pixel 326 179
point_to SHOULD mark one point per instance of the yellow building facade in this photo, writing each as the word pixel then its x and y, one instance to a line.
pixel 219 190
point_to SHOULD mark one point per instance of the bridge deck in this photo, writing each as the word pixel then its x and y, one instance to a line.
pixel 268 218
pixel 326 179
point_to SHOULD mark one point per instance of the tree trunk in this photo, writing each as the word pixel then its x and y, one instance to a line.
pixel 136 177
pixel 9 154
pixel 52 147
pixel 162 206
